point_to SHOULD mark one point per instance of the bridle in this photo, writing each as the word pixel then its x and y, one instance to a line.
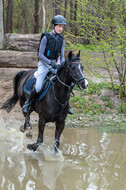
pixel 70 87
pixel 72 75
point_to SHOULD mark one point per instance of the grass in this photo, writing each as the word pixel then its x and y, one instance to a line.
pixel 92 109
pixel 90 47
pixel 92 102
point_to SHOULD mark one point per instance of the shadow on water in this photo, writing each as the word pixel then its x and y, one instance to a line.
pixel 92 161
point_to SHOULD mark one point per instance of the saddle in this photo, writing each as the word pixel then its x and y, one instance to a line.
pixel 47 83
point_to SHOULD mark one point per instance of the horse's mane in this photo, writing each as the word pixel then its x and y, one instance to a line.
pixel 61 66
pixel 64 63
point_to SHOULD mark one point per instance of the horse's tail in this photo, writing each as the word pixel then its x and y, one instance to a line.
pixel 11 102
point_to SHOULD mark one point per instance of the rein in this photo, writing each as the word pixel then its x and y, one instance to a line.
pixel 68 94
pixel 63 105
pixel 66 101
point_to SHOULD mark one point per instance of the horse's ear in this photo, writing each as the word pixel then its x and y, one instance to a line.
pixel 70 55
pixel 78 55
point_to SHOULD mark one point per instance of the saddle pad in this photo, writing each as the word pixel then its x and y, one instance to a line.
pixel 29 85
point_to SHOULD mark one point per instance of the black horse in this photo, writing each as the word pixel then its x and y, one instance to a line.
pixel 55 105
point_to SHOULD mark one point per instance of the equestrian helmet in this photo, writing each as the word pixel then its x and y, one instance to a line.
pixel 58 19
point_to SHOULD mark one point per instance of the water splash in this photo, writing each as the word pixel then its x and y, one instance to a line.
pixel 2 128
pixel 50 155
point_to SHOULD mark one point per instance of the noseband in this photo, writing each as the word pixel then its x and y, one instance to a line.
pixel 72 75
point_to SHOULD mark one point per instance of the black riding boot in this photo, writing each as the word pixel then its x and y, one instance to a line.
pixel 27 104
pixel 70 111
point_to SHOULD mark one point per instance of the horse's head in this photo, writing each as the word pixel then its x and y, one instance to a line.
pixel 76 70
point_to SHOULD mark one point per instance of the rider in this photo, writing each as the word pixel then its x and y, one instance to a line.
pixel 51 46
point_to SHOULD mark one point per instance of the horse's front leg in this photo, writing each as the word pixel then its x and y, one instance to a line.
pixel 27 127
pixel 41 126
pixel 59 129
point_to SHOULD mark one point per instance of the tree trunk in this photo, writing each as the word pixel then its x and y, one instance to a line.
pixel 75 17
pixel 1 25
pixel 65 8
pixel 36 17
pixel 44 15
pixel 71 15
pixel 9 17
pixel 57 7
pixel 82 13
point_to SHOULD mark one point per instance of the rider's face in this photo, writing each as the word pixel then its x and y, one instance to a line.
pixel 59 28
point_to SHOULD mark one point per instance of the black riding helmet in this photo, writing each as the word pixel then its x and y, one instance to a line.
pixel 58 19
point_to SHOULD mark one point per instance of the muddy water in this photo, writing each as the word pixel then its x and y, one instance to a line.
pixel 92 161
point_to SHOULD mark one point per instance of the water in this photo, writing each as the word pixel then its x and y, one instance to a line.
pixel 88 161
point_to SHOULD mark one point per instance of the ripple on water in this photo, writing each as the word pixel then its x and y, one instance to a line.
pixel 89 160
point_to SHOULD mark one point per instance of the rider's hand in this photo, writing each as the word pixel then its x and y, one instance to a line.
pixel 54 64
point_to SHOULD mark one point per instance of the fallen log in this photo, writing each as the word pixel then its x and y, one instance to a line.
pixel 9 58
pixel 22 50
pixel 22 42
pixel 18 59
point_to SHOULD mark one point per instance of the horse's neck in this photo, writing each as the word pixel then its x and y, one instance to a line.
pixel 64 76
pixel 63 83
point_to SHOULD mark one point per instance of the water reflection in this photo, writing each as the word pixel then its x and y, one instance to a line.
pixel 92 161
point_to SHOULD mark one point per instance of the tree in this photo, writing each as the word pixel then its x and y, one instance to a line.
pixel 115 42
pixel 75 17
pixel 71 15
pixel 9 17
pixel 36 17
pixel 57 7
pixel 1 25
pixel 44 15
pixel 65 8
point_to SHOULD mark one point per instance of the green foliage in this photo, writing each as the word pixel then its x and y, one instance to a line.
pixel 86 101
pixel 90 47
pixel 103 22
pixel 80 104
pixel 122 108
pixel 95 88
pixel 104 98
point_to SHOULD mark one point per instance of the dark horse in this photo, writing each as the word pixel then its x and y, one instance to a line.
pixel 55 105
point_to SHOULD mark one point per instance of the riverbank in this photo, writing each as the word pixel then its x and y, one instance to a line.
pixel 98 106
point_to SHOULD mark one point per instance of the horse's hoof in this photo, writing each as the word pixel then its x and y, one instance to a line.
pixel 22 129
pixel 32 147
pixel 29 146
pixel 29 135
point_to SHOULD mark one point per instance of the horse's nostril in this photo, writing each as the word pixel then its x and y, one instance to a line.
pixel 83 83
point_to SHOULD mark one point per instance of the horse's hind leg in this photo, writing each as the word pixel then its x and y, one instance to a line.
pixel 27 127
pixel 41 127
pixel 59 129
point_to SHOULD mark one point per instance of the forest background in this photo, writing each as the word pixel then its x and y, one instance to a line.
pixel 92 26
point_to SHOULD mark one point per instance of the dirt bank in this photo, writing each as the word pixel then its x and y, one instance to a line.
pixel 15 118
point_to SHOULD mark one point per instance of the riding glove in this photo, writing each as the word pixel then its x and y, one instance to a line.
pixel 54 64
